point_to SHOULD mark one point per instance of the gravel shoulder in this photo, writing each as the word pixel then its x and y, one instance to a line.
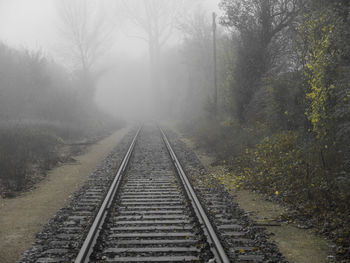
pixel 22 217
pixel 297 245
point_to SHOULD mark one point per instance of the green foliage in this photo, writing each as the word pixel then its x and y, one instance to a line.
pixel 288 131
pixel 263 46
pixel 276 164
pixel 290 169
pixel 227 60
pixel 226 138
pixel 280 103
pixel 318 31
pixel 285 102
pixel 342 108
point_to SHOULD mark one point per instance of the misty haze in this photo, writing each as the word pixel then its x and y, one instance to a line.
pixel 174 131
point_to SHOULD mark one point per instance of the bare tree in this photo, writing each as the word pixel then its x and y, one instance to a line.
pixel 197 55
pixel 86 36
pixel 156 19
pixel 264 46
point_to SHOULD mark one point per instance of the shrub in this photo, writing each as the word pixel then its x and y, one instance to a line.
pixel 226 138
pixel 20 149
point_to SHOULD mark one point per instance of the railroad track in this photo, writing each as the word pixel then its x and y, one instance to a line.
pixel 148 212
pixel 151 213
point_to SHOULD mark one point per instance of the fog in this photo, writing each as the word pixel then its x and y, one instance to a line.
pixel 262 91
pixel 130 79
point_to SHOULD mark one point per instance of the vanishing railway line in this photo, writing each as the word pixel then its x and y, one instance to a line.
pixel 148 213
pixel 154 216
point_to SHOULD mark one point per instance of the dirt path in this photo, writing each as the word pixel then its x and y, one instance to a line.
pixel 22 217
pixel 297 245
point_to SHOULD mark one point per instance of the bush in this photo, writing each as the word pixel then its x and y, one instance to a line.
pixel 20 149
pixel 298 172
pixel 226 138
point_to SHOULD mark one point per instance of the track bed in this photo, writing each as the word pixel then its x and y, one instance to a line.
pixel 151 219
pixel 151 211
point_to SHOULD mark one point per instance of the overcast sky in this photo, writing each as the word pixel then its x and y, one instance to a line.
pixel 33 24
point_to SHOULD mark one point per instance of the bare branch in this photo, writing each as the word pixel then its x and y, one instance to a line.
pixel 85 32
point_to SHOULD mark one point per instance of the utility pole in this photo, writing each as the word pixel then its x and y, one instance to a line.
pixel 214 61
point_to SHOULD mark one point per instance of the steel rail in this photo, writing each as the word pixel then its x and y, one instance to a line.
pixel 90 240
pixel 213 240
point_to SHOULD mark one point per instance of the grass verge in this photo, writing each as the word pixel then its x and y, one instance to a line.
pixel 288 168
pixel 28 151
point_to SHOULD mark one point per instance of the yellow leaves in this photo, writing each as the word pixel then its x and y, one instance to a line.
pixel 229 180
pixel 266 163
pixel 320 58
pixel 315 119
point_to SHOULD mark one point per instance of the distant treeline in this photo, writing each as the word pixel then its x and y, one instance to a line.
pixel 43 107
pixel 33 86
pixel 283 115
